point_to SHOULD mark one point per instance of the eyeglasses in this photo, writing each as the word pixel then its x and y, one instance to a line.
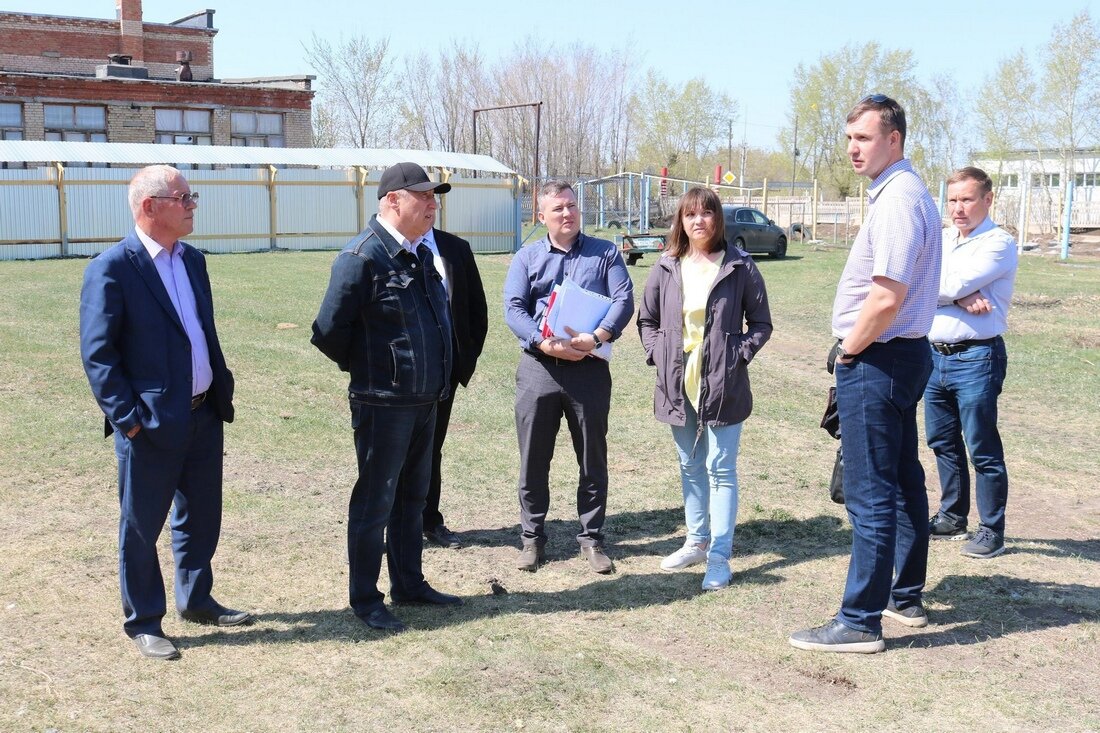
pixel 183 198
pixel 875 99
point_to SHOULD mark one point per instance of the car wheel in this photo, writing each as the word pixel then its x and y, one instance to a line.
pixel 740 244
pixel 780 248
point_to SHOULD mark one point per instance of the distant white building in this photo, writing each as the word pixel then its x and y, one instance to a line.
pixel 1038 178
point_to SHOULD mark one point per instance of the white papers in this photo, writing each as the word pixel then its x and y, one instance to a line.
pixel 579 309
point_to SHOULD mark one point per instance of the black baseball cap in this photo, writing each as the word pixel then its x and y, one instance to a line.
pixel 409 177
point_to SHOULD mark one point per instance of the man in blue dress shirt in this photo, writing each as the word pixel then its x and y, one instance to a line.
pixel 559 376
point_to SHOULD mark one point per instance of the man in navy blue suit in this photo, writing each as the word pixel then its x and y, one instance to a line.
pixel 155 366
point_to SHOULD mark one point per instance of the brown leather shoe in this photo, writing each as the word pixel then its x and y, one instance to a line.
pixel 599 561
pixel 530 557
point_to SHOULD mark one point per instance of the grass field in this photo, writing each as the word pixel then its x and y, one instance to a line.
pixel 1013 643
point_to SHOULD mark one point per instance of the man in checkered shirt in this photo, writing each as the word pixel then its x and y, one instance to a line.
pixel 883 310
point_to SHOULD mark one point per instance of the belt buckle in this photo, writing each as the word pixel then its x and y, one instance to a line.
pixel 942 348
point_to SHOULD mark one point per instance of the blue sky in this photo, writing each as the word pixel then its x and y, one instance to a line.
pixel 748 50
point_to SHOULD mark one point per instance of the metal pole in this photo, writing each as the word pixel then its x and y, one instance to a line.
pixel 629 199
pixel 534 183
pixel 516 215
pixel 580 203
pixel 794 158
pixel 1021 220
pixel 1068 218
pixel 729 148
pixel 943 197
pixel 813 214
pixel 475 137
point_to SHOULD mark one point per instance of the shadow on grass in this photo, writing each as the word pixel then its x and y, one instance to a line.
pixel 1084 549
pixel 981 608
pixel 793 541
pixel 631 534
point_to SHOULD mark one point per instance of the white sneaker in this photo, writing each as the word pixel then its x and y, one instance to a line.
pixel 688 555
pixel 718 573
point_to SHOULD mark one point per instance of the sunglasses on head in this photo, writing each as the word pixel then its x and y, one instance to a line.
pixel 875 99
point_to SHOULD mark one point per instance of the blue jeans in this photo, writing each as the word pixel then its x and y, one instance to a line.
pixel 961 403
pixel 708 475
pixel 884 491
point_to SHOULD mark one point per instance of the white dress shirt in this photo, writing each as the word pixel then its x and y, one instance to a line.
pixel 428 241
pixel 983 262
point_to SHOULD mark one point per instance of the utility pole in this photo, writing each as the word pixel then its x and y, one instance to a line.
pixel 794 158
pixel 729 148
pixel 744 151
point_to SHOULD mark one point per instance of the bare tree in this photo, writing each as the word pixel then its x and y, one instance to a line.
pixel 326 131
pixel 356 85
pixel 438 95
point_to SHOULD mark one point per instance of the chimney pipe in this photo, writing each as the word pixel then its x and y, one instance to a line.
pixel 183 71
pixel 131 30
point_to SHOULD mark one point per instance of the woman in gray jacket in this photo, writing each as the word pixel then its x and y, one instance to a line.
pixel 703 317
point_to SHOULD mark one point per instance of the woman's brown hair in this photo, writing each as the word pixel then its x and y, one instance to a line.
pixel 697 198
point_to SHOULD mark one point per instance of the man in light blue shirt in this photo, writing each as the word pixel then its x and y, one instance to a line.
pixel 884 307
pixel 969 363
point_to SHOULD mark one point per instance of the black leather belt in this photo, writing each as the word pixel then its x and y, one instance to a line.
pixel 949 349
pixel 551 360
pixel 198 399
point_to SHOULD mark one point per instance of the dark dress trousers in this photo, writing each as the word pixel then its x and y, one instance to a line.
pixel 470 323
pixel 137 357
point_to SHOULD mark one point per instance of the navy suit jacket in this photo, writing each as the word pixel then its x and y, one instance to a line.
pixel 469 312
pixel 135 352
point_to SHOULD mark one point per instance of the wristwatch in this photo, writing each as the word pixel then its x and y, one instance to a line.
pixel 596 343
pixel 842 354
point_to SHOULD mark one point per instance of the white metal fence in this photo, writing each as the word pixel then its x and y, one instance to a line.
pixel 55 212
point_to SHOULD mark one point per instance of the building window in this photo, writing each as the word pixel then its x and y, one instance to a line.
pixel 184 127
pixel 11 127
pixel 11 121
pixel 1008 180
pixel 75 122
pixel 257 130
pixel 1086 179
pixel 1050 180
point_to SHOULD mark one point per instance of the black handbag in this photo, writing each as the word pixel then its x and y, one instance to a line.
pixel 830 421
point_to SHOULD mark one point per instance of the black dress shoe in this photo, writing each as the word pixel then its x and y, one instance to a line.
pixel 156 647
pixel 217 616
pixel 443 537
pixel 383 620
pixel 429 596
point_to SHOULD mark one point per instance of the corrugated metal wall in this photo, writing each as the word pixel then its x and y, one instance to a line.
pixel 313 209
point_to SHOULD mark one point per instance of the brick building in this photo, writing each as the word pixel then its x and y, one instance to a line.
pixel 129 80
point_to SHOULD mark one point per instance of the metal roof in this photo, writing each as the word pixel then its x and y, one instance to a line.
pixel 149 153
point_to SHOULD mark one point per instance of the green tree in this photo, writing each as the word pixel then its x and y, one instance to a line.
pixel 822 94
pixel 680 127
